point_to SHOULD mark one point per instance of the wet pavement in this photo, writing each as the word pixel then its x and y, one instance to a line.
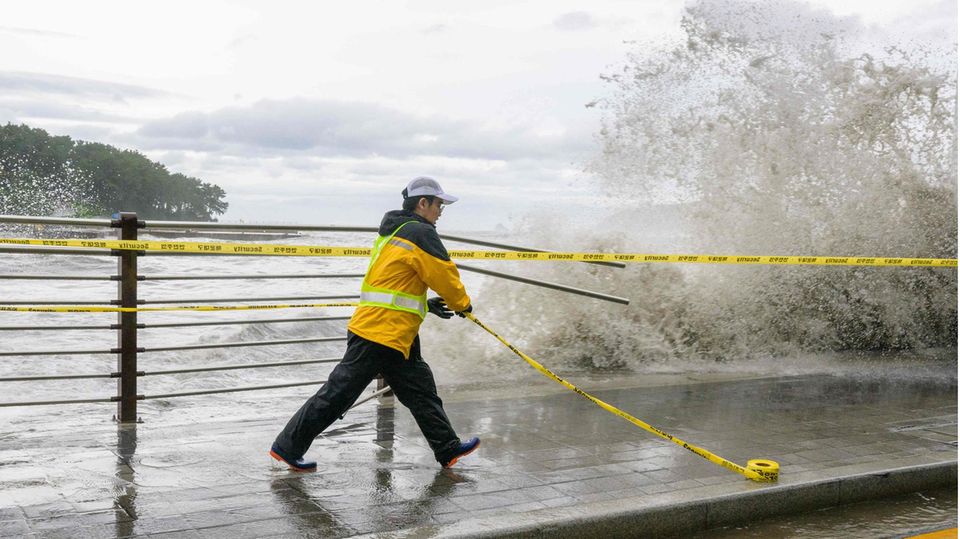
pixel 544 456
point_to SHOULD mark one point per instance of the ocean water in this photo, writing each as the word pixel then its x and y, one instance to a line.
pixel 541 322
pixel 445 342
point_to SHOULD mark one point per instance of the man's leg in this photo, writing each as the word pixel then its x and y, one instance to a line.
pixel 412 382
pixel 344 385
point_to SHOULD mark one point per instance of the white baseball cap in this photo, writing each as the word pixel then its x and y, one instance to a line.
pixel 424 186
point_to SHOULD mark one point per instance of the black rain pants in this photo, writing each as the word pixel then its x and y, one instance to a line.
pixel 410 379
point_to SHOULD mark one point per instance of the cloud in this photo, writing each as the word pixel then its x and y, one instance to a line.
pixel 32 83
pixel 243 41
pixel 574 21
pixel 36 33
pixel 435 29
pixel 345 190
pixel 15 110
pixel 330 128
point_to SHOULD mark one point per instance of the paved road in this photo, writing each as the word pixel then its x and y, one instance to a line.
pixel 542 455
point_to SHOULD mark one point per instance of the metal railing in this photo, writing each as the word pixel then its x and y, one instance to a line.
pixel 128 326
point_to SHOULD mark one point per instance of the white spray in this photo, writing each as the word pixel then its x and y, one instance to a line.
pixel 765 130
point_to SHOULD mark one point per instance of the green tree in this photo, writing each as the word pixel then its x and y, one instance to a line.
pixel 35 172
pixel 45 175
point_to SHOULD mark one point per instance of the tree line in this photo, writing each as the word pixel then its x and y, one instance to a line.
pixel 41 174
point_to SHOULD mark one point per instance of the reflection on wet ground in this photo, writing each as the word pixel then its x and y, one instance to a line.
pixel 212 477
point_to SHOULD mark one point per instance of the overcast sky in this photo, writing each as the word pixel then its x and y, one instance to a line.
pixel 315 112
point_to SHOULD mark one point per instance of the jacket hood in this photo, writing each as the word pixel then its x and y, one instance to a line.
pixel 394 218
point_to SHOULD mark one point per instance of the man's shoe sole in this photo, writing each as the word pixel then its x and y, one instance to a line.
pixel 456 458
pixel 291 466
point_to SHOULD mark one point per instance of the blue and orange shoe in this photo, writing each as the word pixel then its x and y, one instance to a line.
pixel 298 465
pixel 465 449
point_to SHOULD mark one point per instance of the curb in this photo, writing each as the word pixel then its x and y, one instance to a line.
pixel 683 516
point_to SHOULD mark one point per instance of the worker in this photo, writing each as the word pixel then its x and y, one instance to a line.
pixel 382 335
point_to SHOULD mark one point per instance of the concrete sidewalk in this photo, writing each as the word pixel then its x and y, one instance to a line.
pixel 548 464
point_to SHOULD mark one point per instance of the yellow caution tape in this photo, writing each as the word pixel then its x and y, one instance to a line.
pixel 98 309
pixel 767 468
pixel 757 470
pixel 308 250
pixel 708 259
pixel 196 247
pixel 752 472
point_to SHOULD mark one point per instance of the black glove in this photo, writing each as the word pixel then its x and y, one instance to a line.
pixel 469 309
pixel 439 308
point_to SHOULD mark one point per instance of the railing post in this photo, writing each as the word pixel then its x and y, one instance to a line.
pixel 127 337
pixel 386 398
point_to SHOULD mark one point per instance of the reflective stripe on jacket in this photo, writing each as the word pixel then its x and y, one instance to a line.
pixel 411 258
pixel 372 296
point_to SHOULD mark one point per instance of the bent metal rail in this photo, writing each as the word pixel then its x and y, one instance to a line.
pixel 127 303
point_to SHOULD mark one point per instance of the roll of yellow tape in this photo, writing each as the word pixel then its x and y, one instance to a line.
pixel 768 469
